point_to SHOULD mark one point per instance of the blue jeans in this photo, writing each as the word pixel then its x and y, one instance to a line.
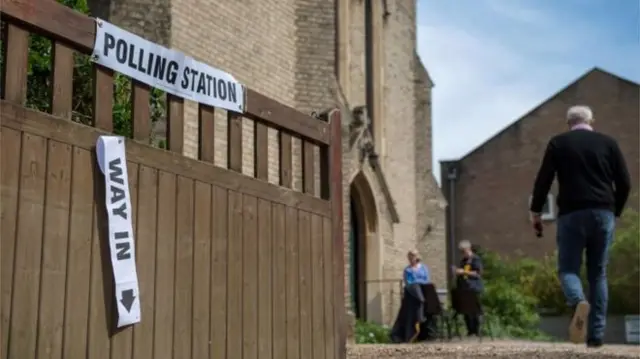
pixel 590 231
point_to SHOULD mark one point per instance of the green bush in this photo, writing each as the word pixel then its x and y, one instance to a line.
pixel 623 273
pixel 624 266
pixel 514 287
pixel 40 75
pixel 370 333
pixel 511 312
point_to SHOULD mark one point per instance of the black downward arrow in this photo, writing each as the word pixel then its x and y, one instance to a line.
pixel 127 299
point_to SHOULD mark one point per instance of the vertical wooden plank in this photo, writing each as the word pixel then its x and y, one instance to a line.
pixel 141 125
pixel 54 251
pixel 249 278
pixel 265 281
pixel 1 37
pixel 16 64
pixel 279 282
pixel 234 278
pixel 325 181
pixel 201 270
pixel 9 188
pixel 146 260
pixel 293 293
pixel 81 223
pixel 102 98
pixel 286 159
pixel 122 341
pixel 329 297
pixel 175 123
pixel 206 133
pixel 62 93
pixel 234 142
pixel 3 71
pixel 184 269
pixel 101 296
pixel 317 291
pixel 261 150
pixel 219 240
pixel 335 174
pixel 304 236
pixel 165 266
pixel 26 275
pixel 308 176
pixel 4 257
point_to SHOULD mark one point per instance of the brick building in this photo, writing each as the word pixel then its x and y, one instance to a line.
pixel 359 55
pixel 489 188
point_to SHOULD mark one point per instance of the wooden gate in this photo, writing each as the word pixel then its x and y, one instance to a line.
pixel 229 266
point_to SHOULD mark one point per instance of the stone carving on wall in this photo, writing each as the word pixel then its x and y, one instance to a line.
pixel 360 138
pixel 360 134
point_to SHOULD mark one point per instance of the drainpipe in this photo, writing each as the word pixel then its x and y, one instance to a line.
pixel 452 176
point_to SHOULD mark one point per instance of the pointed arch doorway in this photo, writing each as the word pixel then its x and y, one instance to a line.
pixel 365 250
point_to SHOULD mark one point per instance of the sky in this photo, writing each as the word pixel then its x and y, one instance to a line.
pixel 494 60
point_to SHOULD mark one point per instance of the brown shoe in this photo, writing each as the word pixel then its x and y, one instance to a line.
pixel 578 326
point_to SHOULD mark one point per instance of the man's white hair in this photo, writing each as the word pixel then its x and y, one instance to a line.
pixel 580 113
pixel 464 244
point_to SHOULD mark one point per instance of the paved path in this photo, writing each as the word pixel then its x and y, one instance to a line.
pixel 469 349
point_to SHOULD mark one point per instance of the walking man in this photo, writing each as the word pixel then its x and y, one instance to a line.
pixel 594 185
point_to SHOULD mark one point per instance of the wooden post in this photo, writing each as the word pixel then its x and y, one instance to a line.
pixel 336 195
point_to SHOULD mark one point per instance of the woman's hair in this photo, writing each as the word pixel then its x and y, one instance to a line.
pixel 465 244
pixel 415 254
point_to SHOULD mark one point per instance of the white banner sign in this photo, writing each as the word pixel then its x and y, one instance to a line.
pixel 113 164
pixel 166 69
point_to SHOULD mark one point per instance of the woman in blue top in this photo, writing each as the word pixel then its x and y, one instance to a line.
pixel 416 272
pixel 411 315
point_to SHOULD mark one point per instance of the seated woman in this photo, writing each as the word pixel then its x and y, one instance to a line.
pixel 411 314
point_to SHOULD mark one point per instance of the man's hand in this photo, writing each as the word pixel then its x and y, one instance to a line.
pixel 536 222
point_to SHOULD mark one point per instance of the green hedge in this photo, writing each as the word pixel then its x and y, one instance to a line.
pixel 371 333
pixel 538 280
pixel 511 311
pixel 40 76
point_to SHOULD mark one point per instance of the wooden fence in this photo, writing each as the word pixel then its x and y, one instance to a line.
pixel 229 266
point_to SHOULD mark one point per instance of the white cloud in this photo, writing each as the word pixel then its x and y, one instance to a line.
pixel 481 86
pixel 492 61
pixel 468 103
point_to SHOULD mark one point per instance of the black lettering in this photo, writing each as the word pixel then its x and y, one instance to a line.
pixel 121 51
pixel 123 251
pixel 201 84
pixel 209 81
pixel 150 63
pixel 115 171
pixel 120 211
pixel 121 235
pixel 185 78
pixel 233 93
pixel 172 72
pixel 141 60
pixel 222 90
pixel 117 194
pixel 109 43
pixel 194 73
pixel 131 54
pixel 158 69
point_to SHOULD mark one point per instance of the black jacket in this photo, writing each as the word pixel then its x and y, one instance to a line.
pixel 475 283
pixel 591 173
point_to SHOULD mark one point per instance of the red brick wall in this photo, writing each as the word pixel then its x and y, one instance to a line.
pixel 495 180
